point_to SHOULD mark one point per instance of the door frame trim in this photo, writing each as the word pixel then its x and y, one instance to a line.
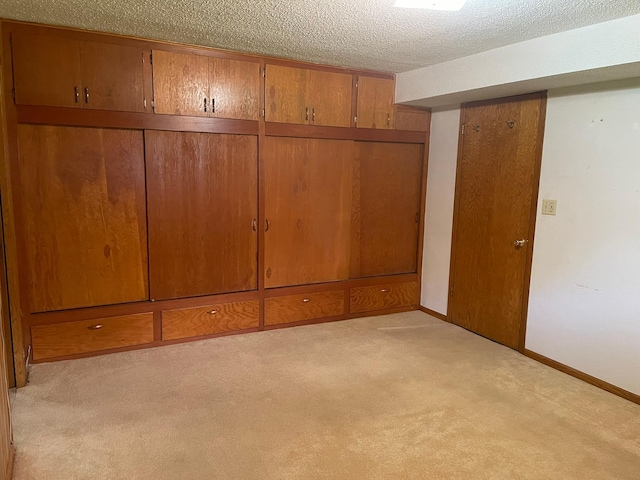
pixel 534 204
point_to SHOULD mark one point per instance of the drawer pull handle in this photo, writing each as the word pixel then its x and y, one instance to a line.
pixel 306 300
pixel 95 327
pixel 384 290
pixel 213 312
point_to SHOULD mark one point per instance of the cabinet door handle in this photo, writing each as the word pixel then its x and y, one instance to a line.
pixel 77 92
pixel 384 290
pixel 95 327
pixel 213 105
pixel 254 225
pixel 306 113
pixel 417 217
pixel 388 119
pixel 313 114
pixel 86 95
pixel 205 104
pixel 306 300
pixel 212 312
pixel 268 225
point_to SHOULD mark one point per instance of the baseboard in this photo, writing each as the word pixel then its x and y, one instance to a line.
pixel 632 397
pixel 433 314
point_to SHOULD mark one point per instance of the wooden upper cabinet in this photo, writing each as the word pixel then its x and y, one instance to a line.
pixel 234 88
pixel 202 207
pixel 197 85
pixel 84 216
pixel 113 77
pixel 412 119
pixel 63 72
pixel 308 186
pixel 46 70
pixel 386 208
pixel 375 102
pixel 180 84
pixel 308 97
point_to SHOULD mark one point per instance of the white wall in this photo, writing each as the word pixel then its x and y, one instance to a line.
pixel 584 309
pixel 443 151
pixel 595 53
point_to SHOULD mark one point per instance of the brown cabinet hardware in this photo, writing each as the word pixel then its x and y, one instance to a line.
pixel 77 92
pixel 86 95
pixel 95 327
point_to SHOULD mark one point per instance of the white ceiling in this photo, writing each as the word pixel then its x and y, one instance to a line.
pixel 355 33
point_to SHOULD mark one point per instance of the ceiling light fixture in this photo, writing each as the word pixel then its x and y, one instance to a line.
pixel 452 5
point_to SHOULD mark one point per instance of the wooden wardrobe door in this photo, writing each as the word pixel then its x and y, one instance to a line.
pixel 46 70
pixel 202 201
pixel 330 98
pixel 180 84
pixel 112 77
pixel 375 102
pixel 83 214
pixel 234 89
pixel 308 203
pixel 286 95
pixel 386 208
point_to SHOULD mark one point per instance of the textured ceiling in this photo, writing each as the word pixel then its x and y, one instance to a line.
pixel 354 33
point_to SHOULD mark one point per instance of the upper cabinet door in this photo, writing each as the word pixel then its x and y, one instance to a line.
pixel 286 95
pixel 46 70
pixel 203 206
pixel 84 216
pixel 234 89
pixel 375 103
pixel 329 97
pixel 181 84
pixel 412 119
pixel 386 208
pixel 308 186
pixel 112 77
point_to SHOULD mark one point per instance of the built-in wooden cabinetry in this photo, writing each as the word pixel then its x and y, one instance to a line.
pixel 162 193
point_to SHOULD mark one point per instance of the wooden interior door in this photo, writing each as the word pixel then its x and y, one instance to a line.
pixel 112 77
pixel 386 208
pixel 234 88
pixel 46 70
pixel 202 205
pixel 286 95
pixel 375 102
pixel 496 194
pixel 307 204
pixel 180 84
pixel 330 98
pixel 84 216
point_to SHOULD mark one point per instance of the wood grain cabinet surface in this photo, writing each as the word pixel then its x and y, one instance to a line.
pixel 295 308
pixel 384 297
pixel 202 213
pixel 73 338
pixel 375 103
pixel 65 72
pixel 308 186
pixel 412 119
pixel 198 85
pixel 308 97
pixel 210 319
pixel 84 216
pixel 386 208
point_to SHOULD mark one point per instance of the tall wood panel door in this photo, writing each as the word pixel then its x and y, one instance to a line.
pixel 307 206
pixel 84 216
pixel 203 207
pixel 180 84
pixel 234 90
pixel 496 194
pixel 113 77
pixel 329 97
pixel 46 70
pixel 286 95
pixel 386 208
pixel 375 103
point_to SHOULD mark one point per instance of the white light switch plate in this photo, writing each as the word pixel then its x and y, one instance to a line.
pixel 549 207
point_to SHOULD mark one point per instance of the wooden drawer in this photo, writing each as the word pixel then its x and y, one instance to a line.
pixel 199 321
pixel 383 297
pixel 294 308
pixel 72 338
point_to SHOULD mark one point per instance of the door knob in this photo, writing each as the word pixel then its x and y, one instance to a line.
pixel 520 243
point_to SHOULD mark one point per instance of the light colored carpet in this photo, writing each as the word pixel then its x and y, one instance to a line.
pixel 395 397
